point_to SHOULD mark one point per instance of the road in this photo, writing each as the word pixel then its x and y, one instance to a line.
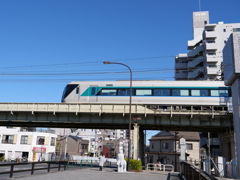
pixel 90 173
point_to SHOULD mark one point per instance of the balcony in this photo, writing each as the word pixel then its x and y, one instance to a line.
pixel 195 62
pixel 213 71
pixel 210 35
pixel 181 65
pixel 211 46
pixel 181 75
pixel 195 73
pixel 7 141
pixel 213 58
pixel 195 51
pixel 194 42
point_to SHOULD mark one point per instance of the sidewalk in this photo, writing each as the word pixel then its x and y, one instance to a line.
pixel 106 174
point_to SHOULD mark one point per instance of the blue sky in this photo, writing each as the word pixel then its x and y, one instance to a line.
pixel 46 44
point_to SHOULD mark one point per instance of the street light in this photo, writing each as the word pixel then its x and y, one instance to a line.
pixel 130 110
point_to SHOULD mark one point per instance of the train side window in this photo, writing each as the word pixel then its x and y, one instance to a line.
pixel 214 93
pixel 180 92
pixel 161 92
pixel 198 92
pixel 143 92
pixel 223 93
pixel 125 92
pixel 77 90
pixel 109 92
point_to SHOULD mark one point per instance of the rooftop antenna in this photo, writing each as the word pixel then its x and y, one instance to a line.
pixel 199 4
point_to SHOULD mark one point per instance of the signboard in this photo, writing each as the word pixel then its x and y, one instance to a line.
pixel 39 149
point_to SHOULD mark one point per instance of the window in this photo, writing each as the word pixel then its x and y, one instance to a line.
pixel 143 92
pixel 24 139
pixel 7 139
pixel 189 146
pixel 165 145
pixel 52 141
pixel 223 93
pixel 211 54
pixel 109 92
pixel 93 91
pixel 161 92
pixel 124 92
pixel 236 29
pixel 84 146
pixel 197 92
pixel 40 140
pixel 152 145
pixel 219 93
pixel 178 92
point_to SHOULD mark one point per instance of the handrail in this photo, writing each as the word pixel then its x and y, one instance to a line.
pixel 188 171
pixel 159 166
pixel 33 168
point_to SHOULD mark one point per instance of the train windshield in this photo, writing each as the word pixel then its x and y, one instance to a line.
pixel 68 89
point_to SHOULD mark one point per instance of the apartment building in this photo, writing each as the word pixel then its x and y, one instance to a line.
pixel 30 143
pixel 204 59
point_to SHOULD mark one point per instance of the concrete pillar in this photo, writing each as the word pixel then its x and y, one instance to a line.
pixel 141 146
pixel 135 141
pixel 236 116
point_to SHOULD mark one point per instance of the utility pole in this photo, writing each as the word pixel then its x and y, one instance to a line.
pixel 209 155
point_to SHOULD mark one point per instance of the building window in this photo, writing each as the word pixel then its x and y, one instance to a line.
pixel 152 145
pixel 165 145
pixel 24 139
pixel 84 146
pixel 52 141
pixel 7 139
pixel 40 140
pixel 189 146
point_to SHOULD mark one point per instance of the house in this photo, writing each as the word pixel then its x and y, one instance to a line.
pixel 164 147
pixel 72 145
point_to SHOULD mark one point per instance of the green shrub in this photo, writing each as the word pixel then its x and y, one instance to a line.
pixel 2 158
pixel 135 164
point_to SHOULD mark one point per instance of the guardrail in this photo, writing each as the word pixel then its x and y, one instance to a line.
pixel 189 172
pixel 163 167
pixel 60 164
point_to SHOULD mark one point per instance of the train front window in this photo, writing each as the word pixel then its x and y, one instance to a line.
pixel 68 89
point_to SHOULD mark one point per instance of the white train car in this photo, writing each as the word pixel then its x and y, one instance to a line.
pixel 157 93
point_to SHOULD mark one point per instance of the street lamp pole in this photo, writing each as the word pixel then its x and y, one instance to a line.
pixel 130 110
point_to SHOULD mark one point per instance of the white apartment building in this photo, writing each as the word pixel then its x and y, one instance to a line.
pixel 16 142
pixel 204 58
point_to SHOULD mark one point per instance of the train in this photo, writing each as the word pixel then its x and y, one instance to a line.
pixel 158 94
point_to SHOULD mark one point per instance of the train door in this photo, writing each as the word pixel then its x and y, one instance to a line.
pixel 77 94
pixel 92 94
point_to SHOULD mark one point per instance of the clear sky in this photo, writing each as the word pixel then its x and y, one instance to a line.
pixel 44 44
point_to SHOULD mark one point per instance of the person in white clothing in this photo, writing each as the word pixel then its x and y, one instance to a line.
pixel 101 161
